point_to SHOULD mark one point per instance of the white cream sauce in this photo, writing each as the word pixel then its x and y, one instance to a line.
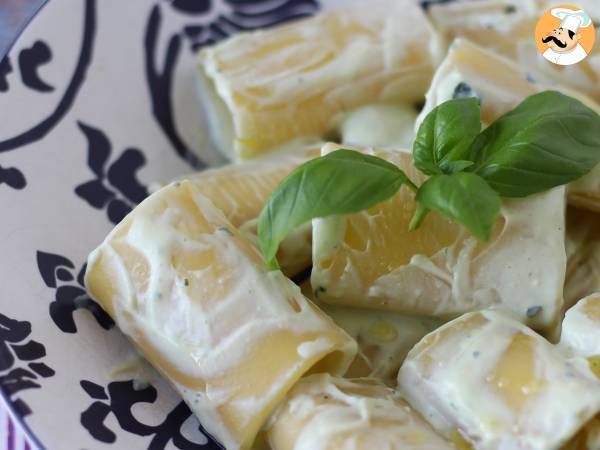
pixel 325 413
pixel 380 125
pixel 581 327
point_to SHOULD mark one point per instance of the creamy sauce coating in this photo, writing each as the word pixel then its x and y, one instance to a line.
pixel 521 270
pixel 502 385
pixel 317 69
pixel 326 413
pixel 380 125
pixel 384 339
pixel 193 293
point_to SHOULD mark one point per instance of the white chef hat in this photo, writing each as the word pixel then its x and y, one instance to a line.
pixel 572 20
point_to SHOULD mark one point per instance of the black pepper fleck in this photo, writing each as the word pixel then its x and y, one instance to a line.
pixel 186 282
pixel 476 354
pixel 510 9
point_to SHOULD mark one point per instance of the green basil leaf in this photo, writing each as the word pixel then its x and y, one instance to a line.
pixel 446 135
pixel 451 167
pixel 465 198
pixel 342 182
pixel 549 140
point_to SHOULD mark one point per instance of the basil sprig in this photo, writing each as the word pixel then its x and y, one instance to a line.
pixel 343 182
pixel 444 139
pixel 549 140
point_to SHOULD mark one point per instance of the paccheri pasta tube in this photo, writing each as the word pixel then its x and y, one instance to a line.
pixel 195 297
pixel 581 338
pixel 585 192
pixel 371 260
pixel 327 413
pixel 583 255
pixel 495 382
pixel 266 88
pixel 472 71
pixel 581 330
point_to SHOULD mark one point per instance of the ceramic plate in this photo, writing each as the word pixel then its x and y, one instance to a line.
pixel 97 102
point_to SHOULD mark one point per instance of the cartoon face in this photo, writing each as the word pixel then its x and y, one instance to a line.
pixel 561 40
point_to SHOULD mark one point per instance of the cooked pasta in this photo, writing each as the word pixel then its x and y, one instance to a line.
pixel 371 260
pixel 506 27
pixel 491 345
pixel 194 296
pixel 384 339
pixel 499 384
pixel 263 89
pixel 326 413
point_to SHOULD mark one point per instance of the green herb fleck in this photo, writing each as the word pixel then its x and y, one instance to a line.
pixel 464 90
pixel 533 311
pixel 319 290
pixel 225 230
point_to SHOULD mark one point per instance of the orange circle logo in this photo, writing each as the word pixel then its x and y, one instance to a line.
pixel 565 35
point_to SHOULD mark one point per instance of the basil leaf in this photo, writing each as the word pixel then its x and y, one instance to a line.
pixel 451 167
pixel 342 182
pixel 446 135
pixel 549 140
pixel 465 198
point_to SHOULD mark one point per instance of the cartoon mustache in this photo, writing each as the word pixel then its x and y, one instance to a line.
pixel 556 41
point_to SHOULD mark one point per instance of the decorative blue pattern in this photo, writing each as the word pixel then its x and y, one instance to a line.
pixel 21 362
pixel 41 129
pixel 30 59
pixel 115 186
pixel 70 294
pixel 118 399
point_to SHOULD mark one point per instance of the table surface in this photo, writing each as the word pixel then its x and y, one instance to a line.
pixel 14 15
